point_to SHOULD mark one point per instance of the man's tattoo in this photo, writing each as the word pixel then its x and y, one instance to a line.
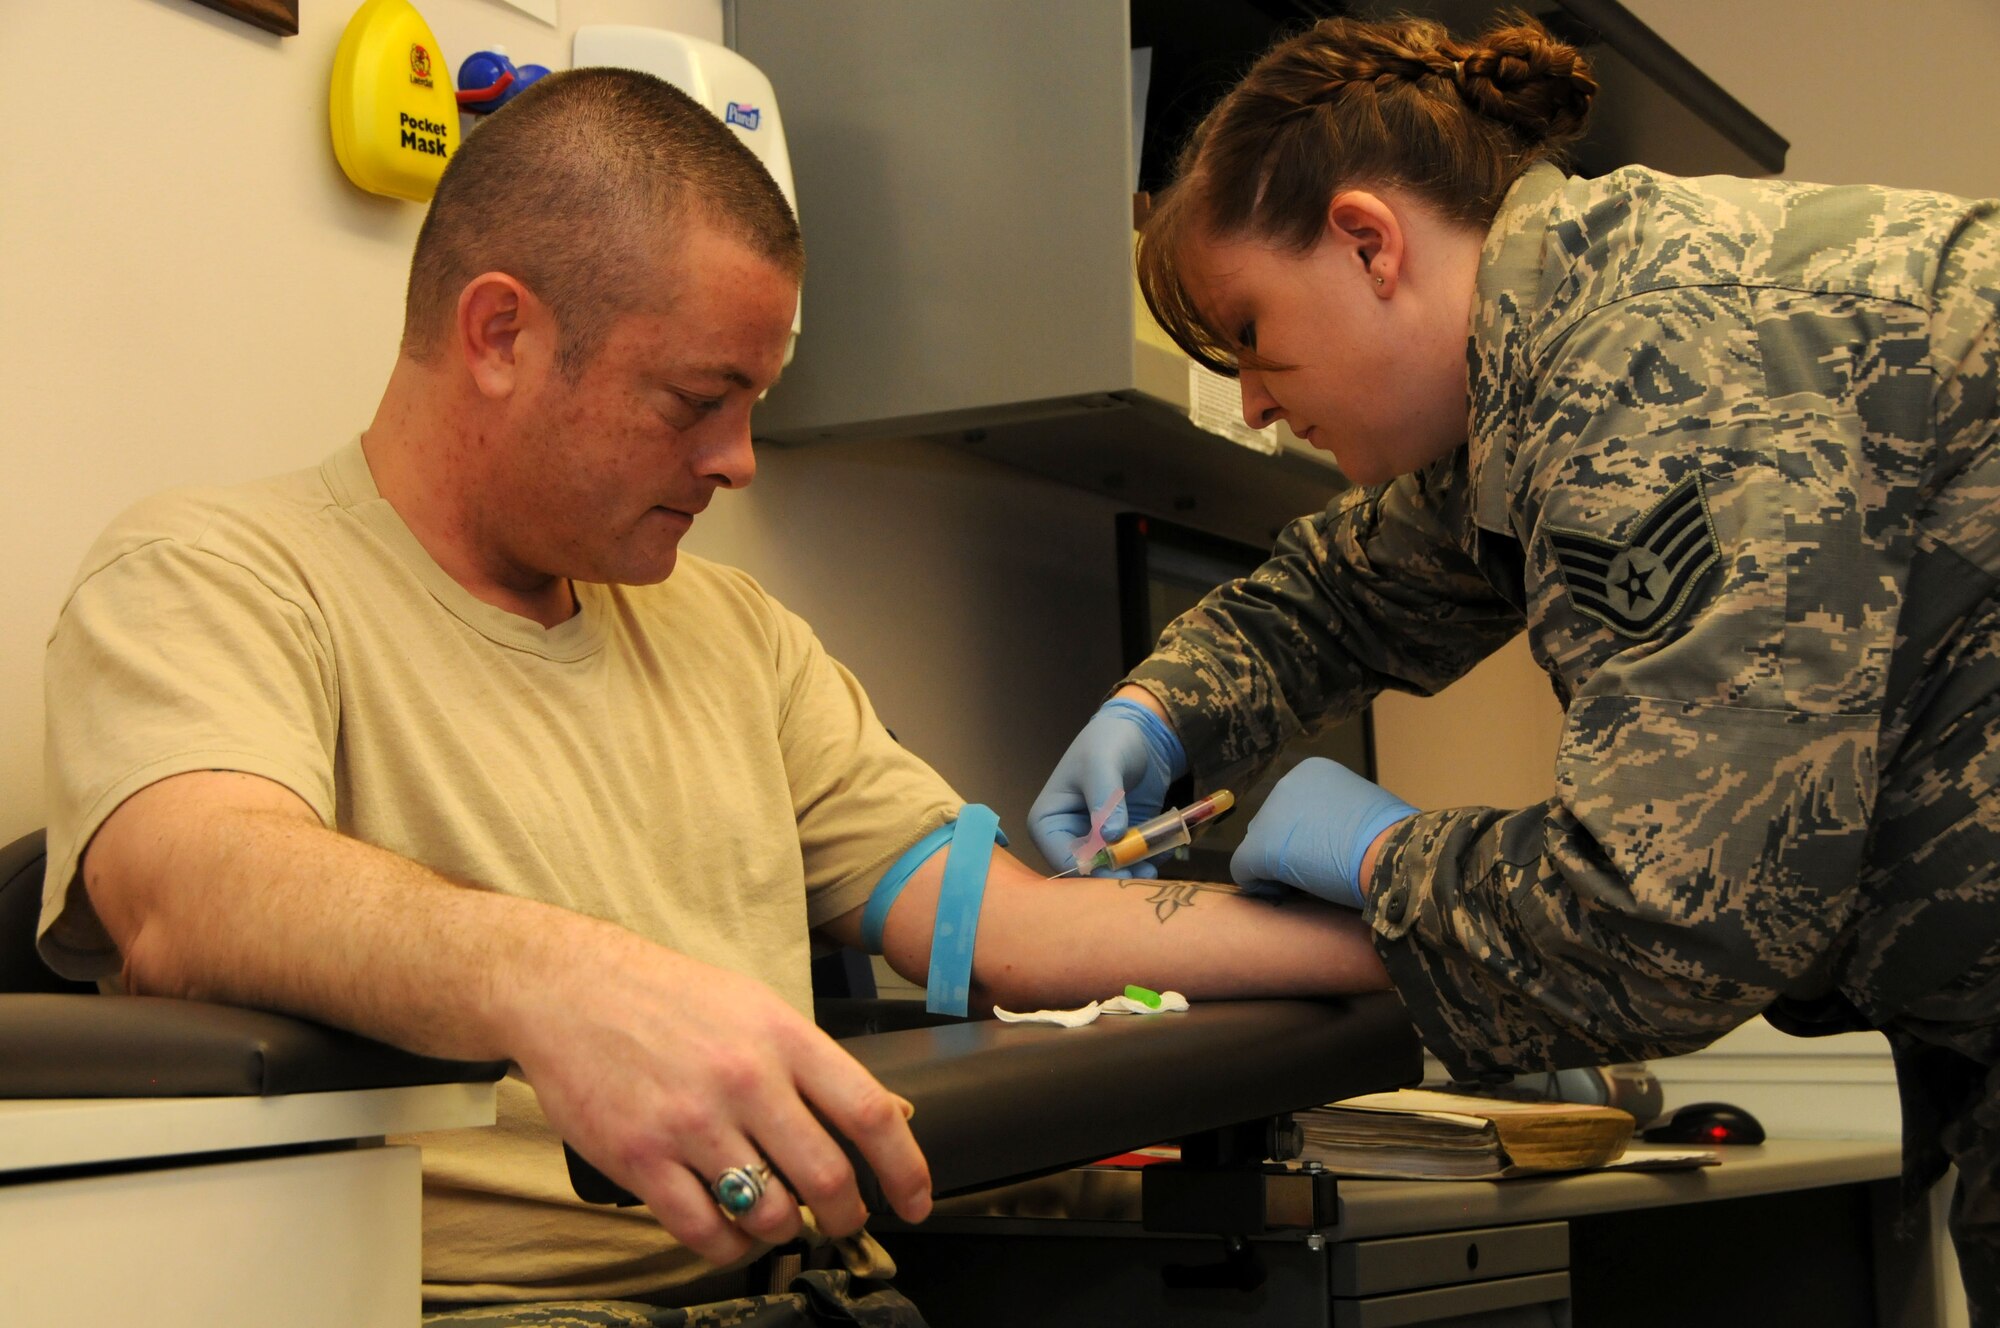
pixel 1170 897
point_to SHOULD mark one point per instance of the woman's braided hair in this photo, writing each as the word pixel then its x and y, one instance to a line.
pixel 1394 103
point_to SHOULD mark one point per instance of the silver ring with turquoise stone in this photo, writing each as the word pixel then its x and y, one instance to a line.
pixel 738 1189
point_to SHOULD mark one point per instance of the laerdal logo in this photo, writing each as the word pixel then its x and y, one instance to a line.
pixel 420 65
pixel 744 117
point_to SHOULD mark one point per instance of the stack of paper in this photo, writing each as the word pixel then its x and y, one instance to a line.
pixel 1416 1134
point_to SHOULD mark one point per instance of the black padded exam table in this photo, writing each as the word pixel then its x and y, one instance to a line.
pixel 999 1102
pixel 995 1102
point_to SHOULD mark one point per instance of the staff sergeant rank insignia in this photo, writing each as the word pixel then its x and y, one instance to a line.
pixel 1635 587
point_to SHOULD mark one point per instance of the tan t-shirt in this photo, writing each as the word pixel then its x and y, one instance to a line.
pixel 683 759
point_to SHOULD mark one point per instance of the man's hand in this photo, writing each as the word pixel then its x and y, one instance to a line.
pixel 1313 833
pixel 666 1072
pixel 1125 748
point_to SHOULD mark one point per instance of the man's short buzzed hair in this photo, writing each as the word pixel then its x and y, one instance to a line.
pixel 572 189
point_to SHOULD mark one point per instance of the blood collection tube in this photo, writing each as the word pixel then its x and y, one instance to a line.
pixel 1169 830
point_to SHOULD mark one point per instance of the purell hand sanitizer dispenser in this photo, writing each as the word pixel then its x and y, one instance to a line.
pixel 717 77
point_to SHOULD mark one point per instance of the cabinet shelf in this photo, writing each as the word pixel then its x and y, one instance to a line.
pixel 964 176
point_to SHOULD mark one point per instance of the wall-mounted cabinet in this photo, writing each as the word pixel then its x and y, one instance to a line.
pixel 965 173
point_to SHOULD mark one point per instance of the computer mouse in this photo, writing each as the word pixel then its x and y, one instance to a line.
pixel 1707 1123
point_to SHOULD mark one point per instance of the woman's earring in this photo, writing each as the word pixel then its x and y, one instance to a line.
pixel 1378 281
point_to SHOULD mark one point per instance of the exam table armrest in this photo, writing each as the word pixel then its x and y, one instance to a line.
pixel 63 1046
pixel 1001 1102
pixel 846 1017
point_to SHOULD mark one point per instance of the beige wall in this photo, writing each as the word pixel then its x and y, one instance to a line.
pixel 1868 93
pixel 190 291
pixel 193 293
pixel 1488 740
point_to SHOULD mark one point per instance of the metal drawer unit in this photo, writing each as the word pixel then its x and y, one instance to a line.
pixel 1491 1275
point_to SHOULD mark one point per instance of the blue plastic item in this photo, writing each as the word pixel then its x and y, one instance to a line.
pixel 488 80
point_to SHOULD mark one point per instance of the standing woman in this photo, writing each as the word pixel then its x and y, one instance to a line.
pixel 1725 449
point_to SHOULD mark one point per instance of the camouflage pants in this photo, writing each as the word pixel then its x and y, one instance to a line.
pixel 1951 1111
pixel 1924 958
pixel 829 1298
pixel 1975 1223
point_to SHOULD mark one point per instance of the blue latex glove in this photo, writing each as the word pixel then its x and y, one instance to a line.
pixel 1313 831
pixel 1124 746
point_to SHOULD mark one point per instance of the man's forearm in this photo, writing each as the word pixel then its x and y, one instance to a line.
pixel 1064 942
pixel 225 887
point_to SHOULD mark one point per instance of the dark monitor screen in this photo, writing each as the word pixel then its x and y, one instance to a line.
pixel 1163 570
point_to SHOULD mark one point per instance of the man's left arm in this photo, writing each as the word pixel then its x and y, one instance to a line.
pixel 862 800
pixel 1053 943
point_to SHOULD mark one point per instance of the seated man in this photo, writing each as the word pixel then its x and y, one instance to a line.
pixel 428 743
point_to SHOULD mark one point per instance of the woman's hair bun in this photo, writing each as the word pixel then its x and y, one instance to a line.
pixel 1518 74
pixel 1399 102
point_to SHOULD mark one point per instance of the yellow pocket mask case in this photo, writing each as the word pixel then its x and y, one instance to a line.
pixel 395 116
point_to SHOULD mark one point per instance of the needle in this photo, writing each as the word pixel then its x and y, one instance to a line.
pixel 1169 830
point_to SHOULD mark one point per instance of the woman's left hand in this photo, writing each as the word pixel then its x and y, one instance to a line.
pixel 1314 831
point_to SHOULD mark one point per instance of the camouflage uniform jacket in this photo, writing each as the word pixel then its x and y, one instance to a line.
pixel 1731 465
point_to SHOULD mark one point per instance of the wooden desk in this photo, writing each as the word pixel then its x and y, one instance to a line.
pixel 1789 1232
pixel 219 1212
